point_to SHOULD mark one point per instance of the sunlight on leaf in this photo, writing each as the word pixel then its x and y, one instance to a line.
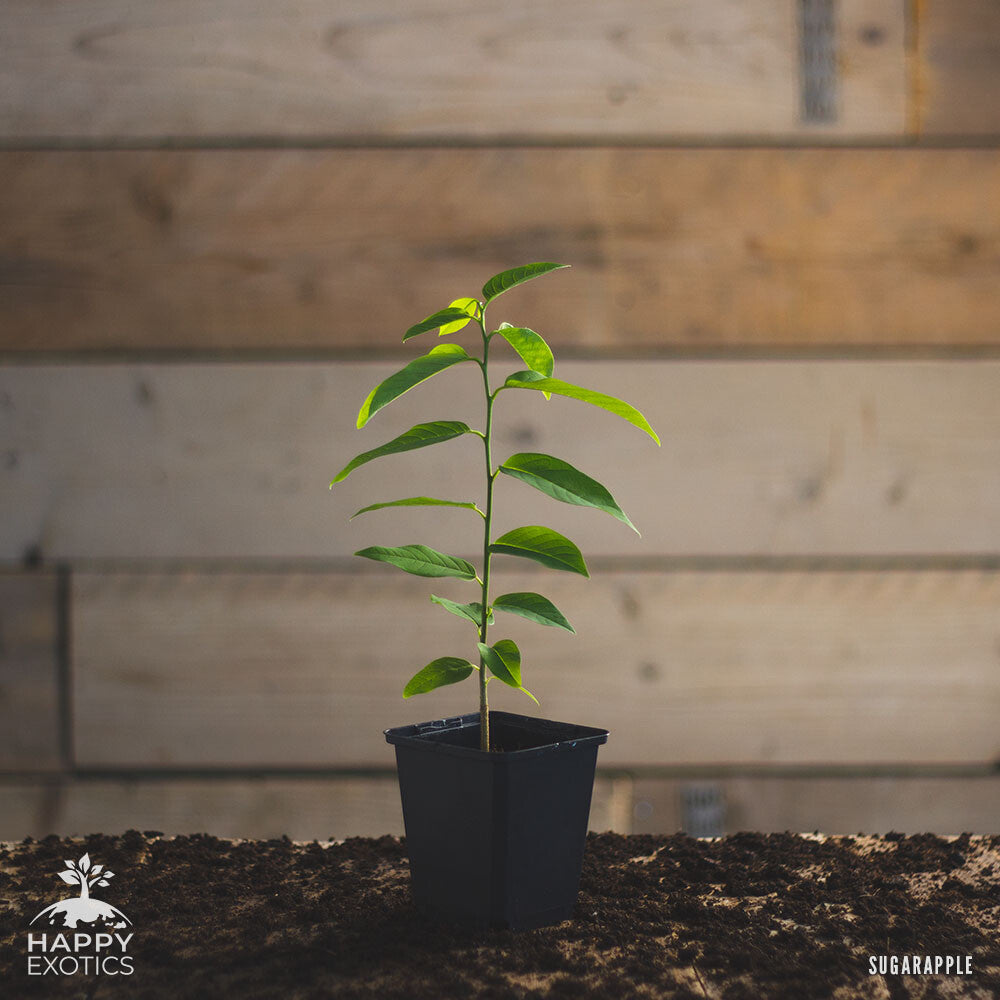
pixel 419 370
pixel 469 306
pixel 531 380
pixel 531 347
pixel 439 319
pixel 418 436
pixel 501 282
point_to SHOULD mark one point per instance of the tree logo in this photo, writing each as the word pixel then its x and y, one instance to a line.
pixel 84 909
pixel 99 948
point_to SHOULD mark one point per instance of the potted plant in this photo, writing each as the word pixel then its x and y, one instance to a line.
pixel 495 805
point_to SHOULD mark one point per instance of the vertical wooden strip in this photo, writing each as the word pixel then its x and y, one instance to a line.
pixel 960 67
pixel 818 61
pixel 622 803
pixel 64 664
pixel 29 673
pixel 916 16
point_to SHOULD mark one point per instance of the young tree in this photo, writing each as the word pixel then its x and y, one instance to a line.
pixel 85 875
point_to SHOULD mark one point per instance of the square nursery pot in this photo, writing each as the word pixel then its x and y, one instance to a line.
pixel 496 838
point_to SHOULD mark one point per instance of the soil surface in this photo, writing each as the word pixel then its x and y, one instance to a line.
pixel 736 918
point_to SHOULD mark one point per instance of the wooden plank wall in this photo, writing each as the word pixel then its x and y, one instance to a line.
pixel 673 249
pixel 215 224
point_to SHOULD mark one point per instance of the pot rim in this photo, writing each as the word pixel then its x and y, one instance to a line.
pixel 564 736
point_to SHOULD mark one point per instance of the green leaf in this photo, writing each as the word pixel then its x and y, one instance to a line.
pixel 445 317
pixel 418 436
pixel 499 283
pixel 420 561
pixel 543 545
pixel 415 502
pixel 504 662
pixel 473 612
pixel 532 380
pixel 437 673
pixel 534 352
pixel 470 306
pixel 534 607
pixel 419 370
pixel 562 481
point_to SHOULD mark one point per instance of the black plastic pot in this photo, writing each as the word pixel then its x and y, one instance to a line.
pixel 496 838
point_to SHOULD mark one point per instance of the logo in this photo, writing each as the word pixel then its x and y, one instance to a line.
pixel 919 965
pixel 101 948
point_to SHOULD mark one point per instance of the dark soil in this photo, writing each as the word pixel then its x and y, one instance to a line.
pixel 742 917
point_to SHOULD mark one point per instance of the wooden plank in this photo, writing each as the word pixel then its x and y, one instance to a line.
pixel 682 249
pixel 830 805
pixel 316 809
pixel 379 69
pixel 302 808
pixel 959 68
pixel 685 667
pixel 29 697
pixel 24 810
pixel 233 460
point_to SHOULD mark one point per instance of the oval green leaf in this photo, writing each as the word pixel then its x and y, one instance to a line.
pixel 499 283
pixel 561 481
pixel 437 673
pixel 469 306
pixel 419 370
pixel 420 560
pixel 471 612
pixel 531 347
pixel 445 317
pixel 543 545
pixel 534 607
pixel 532 380
pixel 504 661
pixel 417 502
pixel 418 436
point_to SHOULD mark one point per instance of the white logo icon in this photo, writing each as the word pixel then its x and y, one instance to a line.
pixel 101 948
pixel 84 909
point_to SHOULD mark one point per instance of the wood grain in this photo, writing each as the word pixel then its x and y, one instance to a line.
pixel 684 667
pixel 301 808
pixel 839 458
pixel 686 250
pixel 317 809
pixel 830 805
pixel 380 69
pixel 959 68
pixel 304 809
pixel 29 700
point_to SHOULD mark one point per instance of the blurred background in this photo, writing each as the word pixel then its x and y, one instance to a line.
pixel 218 217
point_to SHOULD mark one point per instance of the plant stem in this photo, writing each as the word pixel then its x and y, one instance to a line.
pixel 484 707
